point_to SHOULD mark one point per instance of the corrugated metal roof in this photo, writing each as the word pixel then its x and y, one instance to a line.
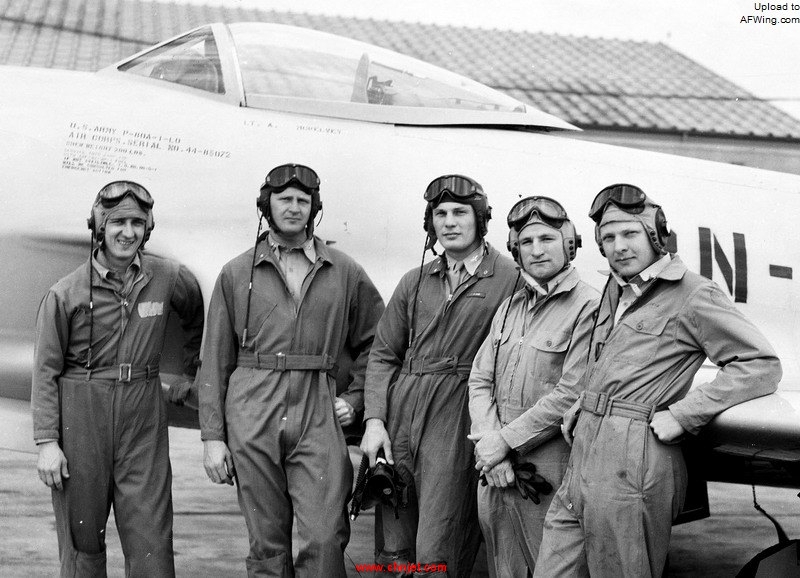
pixel 591 82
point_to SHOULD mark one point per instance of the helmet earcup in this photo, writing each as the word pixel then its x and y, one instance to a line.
pixel 513 244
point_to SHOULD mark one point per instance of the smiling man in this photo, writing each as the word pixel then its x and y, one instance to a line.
pixel 99 419
pixel 281 315
pixel 416 388
pixel 656 324
pixel 524 378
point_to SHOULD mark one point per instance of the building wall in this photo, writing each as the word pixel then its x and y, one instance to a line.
pixel 771 155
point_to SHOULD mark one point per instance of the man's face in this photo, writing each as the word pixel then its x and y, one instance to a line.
pixel 455 226
pixel 290 210
pixel 541 251
pixel 627 247
pixel 123 237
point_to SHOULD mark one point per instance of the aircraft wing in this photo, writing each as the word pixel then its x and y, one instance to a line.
pixel 16 427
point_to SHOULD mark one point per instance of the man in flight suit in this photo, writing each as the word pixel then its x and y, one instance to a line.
pixel 98 413
pixel 656 324
pixel 416 390
pixel 524 378
pixel 269 413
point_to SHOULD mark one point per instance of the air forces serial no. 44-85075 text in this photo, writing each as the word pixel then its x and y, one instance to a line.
pixel 199 118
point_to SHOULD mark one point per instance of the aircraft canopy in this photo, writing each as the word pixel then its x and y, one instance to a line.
pixel 300 70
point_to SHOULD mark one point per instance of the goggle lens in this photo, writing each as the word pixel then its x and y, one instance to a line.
pixel 454 185
pixel 114 192
pixel 549 211
pixel 285 174
pixel 629 198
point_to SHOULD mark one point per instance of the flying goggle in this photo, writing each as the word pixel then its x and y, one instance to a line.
pixel 114 192
pixel 282 176
pixel 549 211
pixel 456 186
pixel 629 198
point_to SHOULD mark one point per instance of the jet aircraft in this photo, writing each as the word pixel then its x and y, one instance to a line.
pixel 200 118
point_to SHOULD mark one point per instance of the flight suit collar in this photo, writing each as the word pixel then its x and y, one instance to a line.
pixel 485 269
pixel 562 282
pixel 673 271
pixel 264 250
pixel 103 271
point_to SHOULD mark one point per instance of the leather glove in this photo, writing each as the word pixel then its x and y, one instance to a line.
pixel 529 483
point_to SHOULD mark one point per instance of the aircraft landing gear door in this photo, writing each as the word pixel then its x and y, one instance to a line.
pixel 695 506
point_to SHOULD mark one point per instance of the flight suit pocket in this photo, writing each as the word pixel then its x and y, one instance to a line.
pixel 549 350
pixel 643 336
pixel 80 324
pixel 261 308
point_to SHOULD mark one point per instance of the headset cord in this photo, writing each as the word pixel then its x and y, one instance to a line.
pixel 596 316
pixel 413 328
pixel 250 284
pixel 91 304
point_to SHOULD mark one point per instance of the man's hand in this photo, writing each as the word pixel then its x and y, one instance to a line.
pixel 376 437
pixel 570 420
pixel 501 475
pixel 218 462
pixel 52 465
pixel 179 392
pixel 344 412
pixel 666 428
pixel 490 449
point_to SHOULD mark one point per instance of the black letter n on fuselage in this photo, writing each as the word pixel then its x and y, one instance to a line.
pixel 736 276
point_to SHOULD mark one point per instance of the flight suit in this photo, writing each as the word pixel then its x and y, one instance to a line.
pixel 420 393
pixel 111 421
pixel 523 391
pixel 272 401
pixel 612 515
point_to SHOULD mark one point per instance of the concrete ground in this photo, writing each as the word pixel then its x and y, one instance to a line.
pixel 211 540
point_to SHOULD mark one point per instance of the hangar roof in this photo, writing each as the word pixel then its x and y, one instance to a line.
pixel 594 83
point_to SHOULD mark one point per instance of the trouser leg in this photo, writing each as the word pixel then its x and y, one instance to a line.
pixel 395 537
pixel 562 551
pixel 319 478
pixel 263 498
pixel 503 553
pixel 82 507
pixel 448 531
pixel 629 518
pixel 143 482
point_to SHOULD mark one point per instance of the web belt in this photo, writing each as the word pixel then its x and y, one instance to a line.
pixel 123 373
pixel 602 404
pixel 424 365
pixel 287 362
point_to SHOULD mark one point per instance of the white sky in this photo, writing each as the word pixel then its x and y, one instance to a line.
pixel 762 58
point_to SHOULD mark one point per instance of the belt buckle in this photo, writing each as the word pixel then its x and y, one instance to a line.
pixel 124 372
pixel 280 362
pixel 454 363
pixel 601 403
